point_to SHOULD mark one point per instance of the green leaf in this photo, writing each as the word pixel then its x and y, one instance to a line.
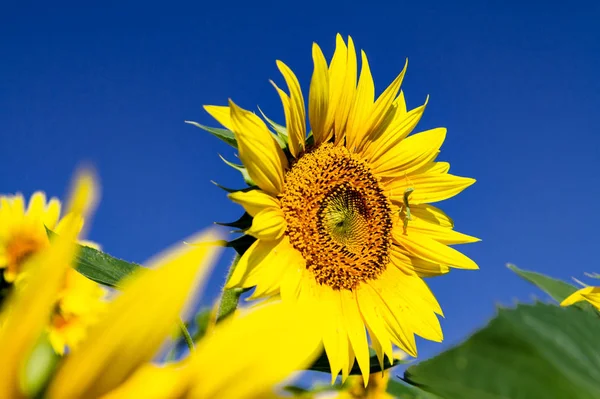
pixel 99 266
pixel 322 364
pixel 557 289
pixel 402 391
pixel 223 134
pixel 533 351
pixel 103 268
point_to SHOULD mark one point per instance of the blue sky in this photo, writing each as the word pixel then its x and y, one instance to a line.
pixel 515 84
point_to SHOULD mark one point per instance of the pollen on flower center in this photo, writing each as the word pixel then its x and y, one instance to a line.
pixel 337 216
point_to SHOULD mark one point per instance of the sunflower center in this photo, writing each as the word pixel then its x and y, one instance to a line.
pixel 338 217
pixel 18 250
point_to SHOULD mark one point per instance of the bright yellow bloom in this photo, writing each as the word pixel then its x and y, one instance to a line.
pixel 589 294
pixel 22 234
pixel 343 222
pixel 22 231
pixel 26 312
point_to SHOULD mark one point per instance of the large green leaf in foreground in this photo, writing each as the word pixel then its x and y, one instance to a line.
pixel 533 351
pixel 402 391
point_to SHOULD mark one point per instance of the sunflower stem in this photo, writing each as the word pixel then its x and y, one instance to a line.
pixel 230 296
pixel 186 335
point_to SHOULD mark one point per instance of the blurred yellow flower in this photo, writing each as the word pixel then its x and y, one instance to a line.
pixel 79 305
pixel 22 231
pixel 23 234
pixel 25 313
pixel 343 222
pixel 377 388
pixel 589 294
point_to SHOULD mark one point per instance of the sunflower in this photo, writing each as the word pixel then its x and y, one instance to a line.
pixel 22 231
pixel 343 219
pixel 23 234
pixel 588 294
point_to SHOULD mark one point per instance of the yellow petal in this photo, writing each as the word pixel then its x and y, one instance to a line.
pixel 296 126
pixel 335 338
pixel 362 107
pixel 431 214
pixel 267 276
pixel 318 98
pixel 253 346
pixel 433 223
pixel 153 382
pixel 85 193
pixel 355 326
pixel 383 112
pixel 251 259
pixel 396 131
pixel 374 322
pixel 136 322
pixel 403 261
pixel 433 168
pixel 432 251
pixel 268 224
pixel 18 204
pixel 343 81
pixel 440 234
pixel 259 152
pixel 427 188
pixel 36 206
pixel 222 114
pixel 398 331
pixel 337 74
pixel 415 305
pixel 254 201
pixel 263 257
pixel 52 213
pixel 400 104
pixel 411 154
pixel 293 277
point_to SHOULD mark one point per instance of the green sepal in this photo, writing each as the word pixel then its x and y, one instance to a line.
pixel 241 244
pixel 310 140
pixel 281 131
pixel 223 134
pixel 557 289
pixel 531 351
pixel 244 222
pixel 241 169
pixel 229 190
pixel 99 266
pixel 322 364
pixel 38 368
pixel 202 319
